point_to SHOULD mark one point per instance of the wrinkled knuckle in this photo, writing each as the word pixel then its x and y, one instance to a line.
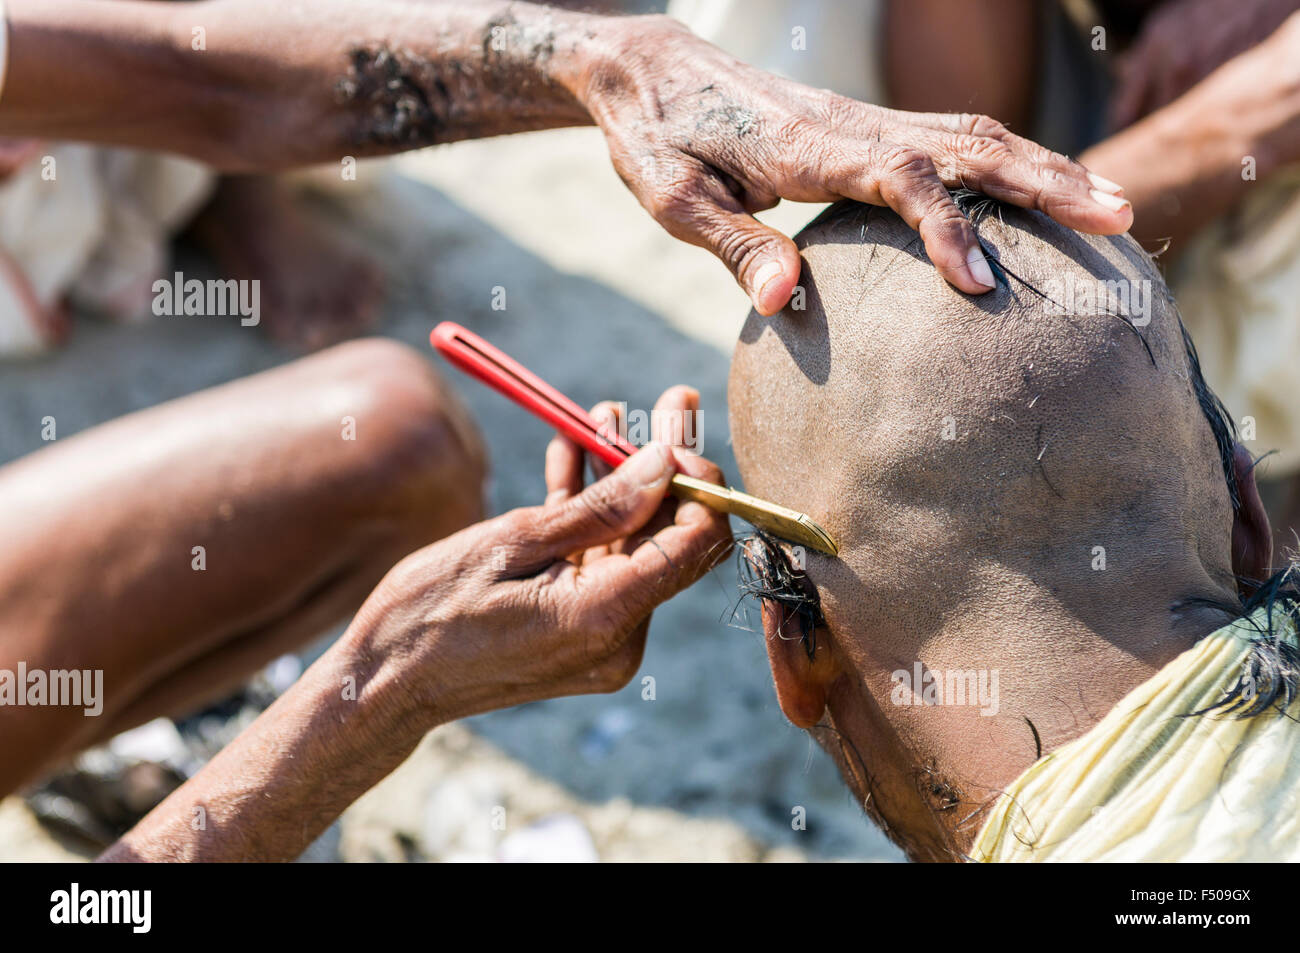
pixel 977 124
pixel 878 124
pixel 801 129
pixel 941 214
pixel 946 232
pixel 674 199
pixel 516 526
pixel 908 163
pixel 835 108
pixel 1068 167
pixel 514 534
pixel 1054 180
pixel 983 151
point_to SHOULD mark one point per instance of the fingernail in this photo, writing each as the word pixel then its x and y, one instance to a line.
pixel 1112 202
pixel 1106 185
pixel 979 268
pixel 649 466
pixel 764 277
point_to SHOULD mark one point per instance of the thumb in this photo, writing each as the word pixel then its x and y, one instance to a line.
pixel 765 262
pixel 611 508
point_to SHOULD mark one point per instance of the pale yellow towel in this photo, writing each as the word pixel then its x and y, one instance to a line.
pixel 1147 785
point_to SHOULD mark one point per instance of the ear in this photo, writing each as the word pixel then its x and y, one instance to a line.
pixel 802 684
pixel 1252 538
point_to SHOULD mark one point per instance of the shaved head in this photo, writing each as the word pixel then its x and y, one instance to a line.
pixel 1032 480
pixel 914 422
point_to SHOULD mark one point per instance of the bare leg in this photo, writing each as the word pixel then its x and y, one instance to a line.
pixel 181 548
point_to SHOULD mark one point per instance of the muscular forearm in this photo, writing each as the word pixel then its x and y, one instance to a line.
pixel 250 85
pixel 343 727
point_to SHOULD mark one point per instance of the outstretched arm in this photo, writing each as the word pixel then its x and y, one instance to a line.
pixel 703 140
pixel 252 86
pixel 539 603
pixel 1201 153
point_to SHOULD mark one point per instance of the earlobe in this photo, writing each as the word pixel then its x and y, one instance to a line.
pixel 1252 537
pixel 803 684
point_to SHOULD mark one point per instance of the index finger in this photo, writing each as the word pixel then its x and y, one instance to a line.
pixel 978 152
pixel 671 560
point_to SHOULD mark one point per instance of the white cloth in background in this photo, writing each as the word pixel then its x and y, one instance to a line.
pixel 85 224
pixel 840 41
pixel 1238 290
pixel 95 234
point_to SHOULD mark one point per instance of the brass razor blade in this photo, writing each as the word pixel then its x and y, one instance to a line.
pixel 773 518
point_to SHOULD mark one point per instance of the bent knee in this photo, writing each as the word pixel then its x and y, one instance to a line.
pixel 416 450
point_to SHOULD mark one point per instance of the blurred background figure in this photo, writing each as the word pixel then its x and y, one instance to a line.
pixel 1191 104
pixel 98 243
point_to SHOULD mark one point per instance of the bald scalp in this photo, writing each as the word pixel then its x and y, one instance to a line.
pixel 1014 430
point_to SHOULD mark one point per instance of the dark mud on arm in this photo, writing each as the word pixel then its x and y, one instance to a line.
pixel 496 81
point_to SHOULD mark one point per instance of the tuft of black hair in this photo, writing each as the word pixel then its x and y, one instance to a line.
pixel 1221 423
pixel 1270 676
pixel 766 573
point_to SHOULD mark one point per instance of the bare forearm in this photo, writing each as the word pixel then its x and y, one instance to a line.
pixel 248 85
pixel 343 727
pixel 1178 178
pixel 1191 161
pixel 445 635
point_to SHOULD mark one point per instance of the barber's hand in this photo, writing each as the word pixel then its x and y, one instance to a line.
pixel 550 600
pixel 1181 43
pixel 704 141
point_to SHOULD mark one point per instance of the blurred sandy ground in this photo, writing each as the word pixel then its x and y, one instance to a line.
pixel 604 304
